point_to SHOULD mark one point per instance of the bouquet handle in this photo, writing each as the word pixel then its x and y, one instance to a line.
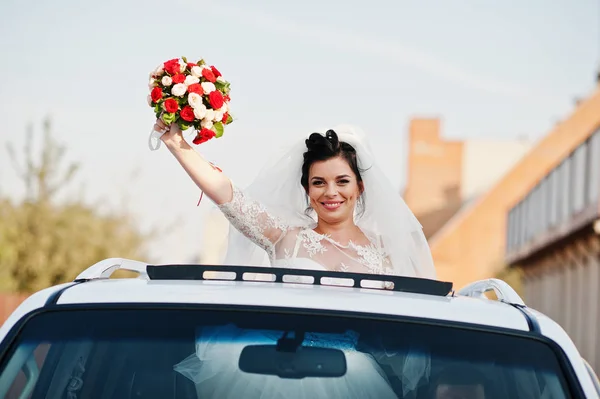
pixel 154 140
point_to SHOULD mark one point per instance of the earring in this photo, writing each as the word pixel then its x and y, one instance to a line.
pixel 360 205
pixel 309 208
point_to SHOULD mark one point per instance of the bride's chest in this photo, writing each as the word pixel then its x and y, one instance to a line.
pixel 311 249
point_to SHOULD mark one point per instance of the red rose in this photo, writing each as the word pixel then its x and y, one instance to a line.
pixel 209 75
pixel 203 136
pixel 187 114
pixel 226 98
pixel 178 78
pixel 170 105
pixel 156 94
pixel 172 66
pixel 225 117
pixel 196 88
pixel 215 98
pixel 215 71
pixel 191 65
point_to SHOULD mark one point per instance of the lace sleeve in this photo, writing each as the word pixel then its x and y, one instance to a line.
pixel 254 221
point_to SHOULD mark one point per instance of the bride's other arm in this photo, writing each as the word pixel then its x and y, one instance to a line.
pixel 213 183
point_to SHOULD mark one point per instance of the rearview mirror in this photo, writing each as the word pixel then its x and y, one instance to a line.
pixel 301 363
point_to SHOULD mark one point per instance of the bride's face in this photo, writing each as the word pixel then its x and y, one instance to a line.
pixel 333 189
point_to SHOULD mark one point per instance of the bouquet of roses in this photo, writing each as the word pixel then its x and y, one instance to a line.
pixel 192 95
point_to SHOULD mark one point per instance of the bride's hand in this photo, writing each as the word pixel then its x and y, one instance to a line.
pixel 173 134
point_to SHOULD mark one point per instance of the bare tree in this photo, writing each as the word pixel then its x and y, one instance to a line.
pixel 43 242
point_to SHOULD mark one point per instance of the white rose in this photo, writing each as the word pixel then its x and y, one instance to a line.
pixel 196 71
pixel 218 116
pixel 159 70
pixel 224 108
pixel 208 87
pixel 182 68
pixel 166 81
pixel 206 123
pixel 149 98
pixel 200 112
pixel 190 80
pixel 195 100
pixel 220 79
pixel 210 115
pixel 179 90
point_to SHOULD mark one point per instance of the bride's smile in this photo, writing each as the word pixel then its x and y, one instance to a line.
pixel 332 205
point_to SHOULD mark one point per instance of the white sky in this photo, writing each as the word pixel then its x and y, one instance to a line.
pixel 489 69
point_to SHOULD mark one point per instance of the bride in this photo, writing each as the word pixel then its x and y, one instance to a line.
pixel 323 205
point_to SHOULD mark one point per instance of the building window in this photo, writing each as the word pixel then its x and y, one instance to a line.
pixel 543 204
pixel 558 190
pixel 510 236
pixel 531 215
pixel 529 218
pixel 578 178
pixel 535 212
pixel 522 223
pixel 565 190
pixel 552 195
pixel 512 239
pixel 593 192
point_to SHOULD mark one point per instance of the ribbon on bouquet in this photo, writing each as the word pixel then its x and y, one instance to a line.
pixel 202 192
pixel 154 139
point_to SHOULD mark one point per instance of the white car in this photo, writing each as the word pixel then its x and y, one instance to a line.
pixel 195 331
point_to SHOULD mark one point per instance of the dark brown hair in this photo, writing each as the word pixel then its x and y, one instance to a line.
pixel 323 148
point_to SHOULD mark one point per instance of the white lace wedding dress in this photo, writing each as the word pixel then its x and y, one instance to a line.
pixel 301 246
pixel 214 367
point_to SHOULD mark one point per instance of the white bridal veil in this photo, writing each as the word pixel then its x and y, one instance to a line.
pixel 386 214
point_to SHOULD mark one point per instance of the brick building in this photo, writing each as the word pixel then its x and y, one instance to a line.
pixel 471 244
pixel 445 176
pixel 433 182
pixel 446 179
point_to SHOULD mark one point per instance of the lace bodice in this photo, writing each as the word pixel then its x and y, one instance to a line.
pixel 286 244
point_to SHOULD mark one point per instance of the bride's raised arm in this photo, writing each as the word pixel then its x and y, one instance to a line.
pixel 247 216
pixel 213 183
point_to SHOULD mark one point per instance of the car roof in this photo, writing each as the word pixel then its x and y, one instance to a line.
pixel 190 285
pixel 196 284
pixel 296 296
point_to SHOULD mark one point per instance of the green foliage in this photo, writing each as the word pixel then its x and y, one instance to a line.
pixel 44 242
pixel 218 128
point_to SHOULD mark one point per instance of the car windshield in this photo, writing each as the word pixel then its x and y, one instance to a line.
pixel 192 353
